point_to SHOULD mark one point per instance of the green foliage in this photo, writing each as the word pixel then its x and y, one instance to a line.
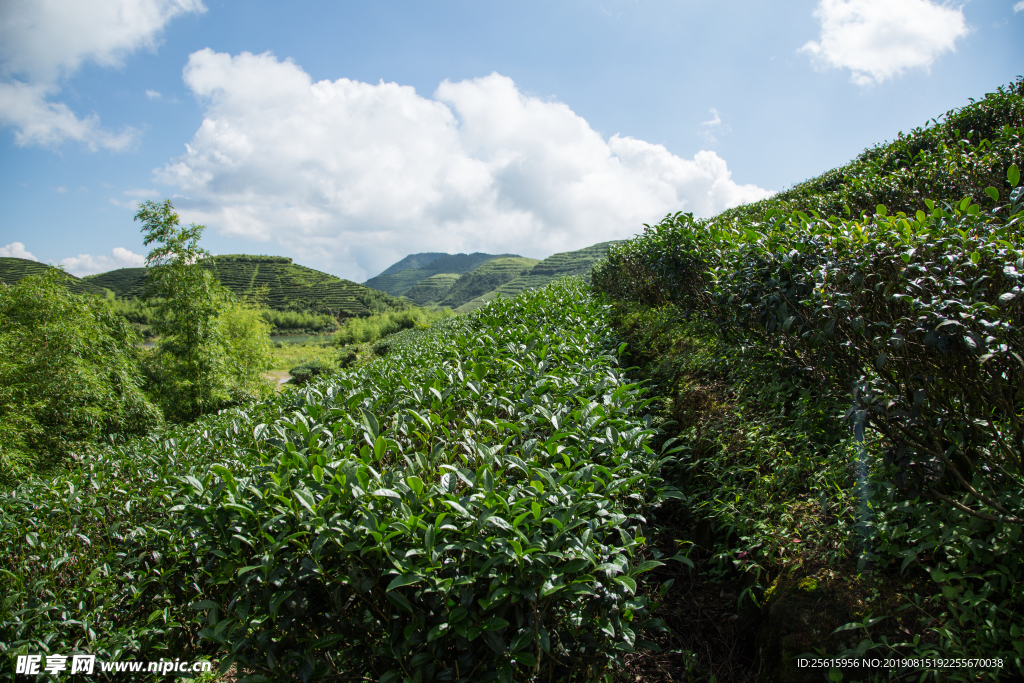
pixel 471 506
pixel 374 327
pixel 901 320
pixel 212 348
pixel 962 154
pixel 306 371
pixel 187 370
pixel 246 338
pixel 68 375
pixel 920 315
pixel 298 321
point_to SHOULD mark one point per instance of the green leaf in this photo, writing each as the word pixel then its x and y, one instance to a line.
pixel 684 559
pixel 975 257
pixel 318 474
pixel 881 210
pixel 627 582
pixel 437 632
pixel 525 658
pixel 379 446
pixel 415 483
pixel 493 623
pixel 1013 175
pixel 993 193
pixel 404 580
pixel 370 422
pixel 479 371
pixel 305 498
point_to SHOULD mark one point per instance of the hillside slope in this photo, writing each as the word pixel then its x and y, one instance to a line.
pixel 13 269
pixel 565 263
pixel 433 289
pixel 289 286
pixel 840 367
pixel 486 278
pixel 398 283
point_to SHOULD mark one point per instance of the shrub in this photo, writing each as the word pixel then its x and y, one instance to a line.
pixel 68 374
pixel 304 372
pixel 471 506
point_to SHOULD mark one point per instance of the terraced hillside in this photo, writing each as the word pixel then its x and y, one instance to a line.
pixel 555 266
pixel 399 283
pixel 433 289
pixel 13 269
pixel 289 286
pixel 125 283
pixel 486 278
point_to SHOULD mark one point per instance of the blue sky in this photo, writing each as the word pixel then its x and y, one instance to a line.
pixel 347 135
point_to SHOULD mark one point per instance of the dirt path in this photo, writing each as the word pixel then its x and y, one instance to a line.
pixel 278 377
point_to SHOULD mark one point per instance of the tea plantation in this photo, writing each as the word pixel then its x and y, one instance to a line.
pixel 844 366
pixel 469 507
pixel 288 286
pixel 13 269
pixel 792 431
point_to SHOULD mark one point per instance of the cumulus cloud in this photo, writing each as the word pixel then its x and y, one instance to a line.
pixel 16 250
pixel 1019 7
pixel 353 176
pixel 43 42
pixel 87 264
pixel 880 39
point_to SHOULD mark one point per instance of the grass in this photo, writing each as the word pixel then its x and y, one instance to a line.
pixel 287 356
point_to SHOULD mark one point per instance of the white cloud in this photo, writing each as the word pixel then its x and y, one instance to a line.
pixel 353 176
pixel 16 250
pixel 45 41
pixel 714 127
pixel 154 95
pixel 86 264
pixel 1019 7
pixel 880 39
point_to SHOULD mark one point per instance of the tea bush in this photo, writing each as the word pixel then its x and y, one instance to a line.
pixel 470 507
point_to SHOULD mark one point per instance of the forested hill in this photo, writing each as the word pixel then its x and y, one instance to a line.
pixel 13 269
pixel 289 286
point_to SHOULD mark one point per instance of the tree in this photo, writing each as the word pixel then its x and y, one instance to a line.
pixel 69 374
pixel 204 359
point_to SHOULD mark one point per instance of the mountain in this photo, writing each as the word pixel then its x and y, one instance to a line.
pixel 486 278
pixel 397 283
pixel 289 286
pixel 413 262
pixel 555 266
pixel 13 269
